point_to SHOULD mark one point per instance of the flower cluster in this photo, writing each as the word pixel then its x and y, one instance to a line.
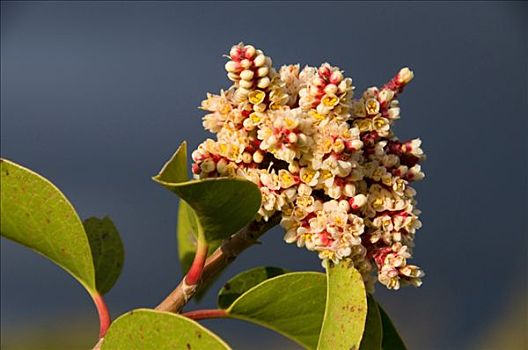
pixel 329 163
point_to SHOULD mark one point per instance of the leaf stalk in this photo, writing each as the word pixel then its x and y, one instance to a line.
pixel 205 314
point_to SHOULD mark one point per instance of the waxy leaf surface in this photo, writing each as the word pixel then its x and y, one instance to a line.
pixel 292 304
pixel 244 281
pixel 346 309
pixel 222 205
pixel 145 329
pixel 37 215
pixel 107 251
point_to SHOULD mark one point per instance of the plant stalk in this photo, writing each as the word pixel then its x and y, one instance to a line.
pixel 104 318
pixel 104 315
pixel 212 266
pixel 195 271
pixel 218 261
pixel 205 314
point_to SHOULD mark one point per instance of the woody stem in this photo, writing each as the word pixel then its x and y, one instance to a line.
pixel 218 261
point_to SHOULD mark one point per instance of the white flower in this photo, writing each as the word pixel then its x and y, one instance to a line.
pixel 330 165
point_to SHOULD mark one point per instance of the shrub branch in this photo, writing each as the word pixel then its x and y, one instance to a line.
pixel 218 261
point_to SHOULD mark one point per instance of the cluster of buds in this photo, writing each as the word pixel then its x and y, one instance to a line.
pixel 328 163
pixel 327 92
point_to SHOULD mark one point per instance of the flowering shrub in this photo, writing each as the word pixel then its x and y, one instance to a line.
pixel 293 147
pixel 329 163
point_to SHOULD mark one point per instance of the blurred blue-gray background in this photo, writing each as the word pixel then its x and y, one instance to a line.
pixel 96 96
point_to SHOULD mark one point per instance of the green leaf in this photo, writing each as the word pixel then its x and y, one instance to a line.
pixel 244 281
pixel 391 338
pixel 145 329
pixel 188 236
pixel 346 309
pixel 222 205
pixel 37 215
pixel 373 330
pixel 188 231
pixel 291 304
pixel 107 251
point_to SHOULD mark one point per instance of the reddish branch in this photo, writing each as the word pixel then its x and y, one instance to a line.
pixel 205 314
pixel 218 261
pixel 195 271
pixel 104 315
pixel 214 264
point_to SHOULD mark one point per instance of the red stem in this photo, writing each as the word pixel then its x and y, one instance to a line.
pixel 205 314
pixel 195 272
pixel 104 315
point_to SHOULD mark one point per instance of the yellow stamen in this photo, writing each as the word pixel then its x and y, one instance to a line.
pixel 223 148
pixel 363 124
pixel 275 106
pixel 379 123
pixel 255 118
pixel 330 100
pixel 225 109
pixel 372 106
pixel 326 174
pixel 256 96
pixel 305 201
pixel 316 116
pixel 290 123
pixel 307 176
pixel 286 179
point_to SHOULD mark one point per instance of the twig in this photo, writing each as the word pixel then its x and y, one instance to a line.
pixel 218 261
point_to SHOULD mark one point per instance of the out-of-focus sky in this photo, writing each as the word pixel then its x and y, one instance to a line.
pixel 96 96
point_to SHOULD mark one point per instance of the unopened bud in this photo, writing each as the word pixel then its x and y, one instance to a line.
pixel 302 139
pixel 330 89
pixel 405 76
pixel 246 83
pixel 344 204
pixel 262 71
pixel 246 157
pixel 318 81
pixel 259 60
pixel 233 76
pixel 247 74
pixel 324 71
pixel 343 86
pixel 235 52
pixel 258 157
pixel 245 63
pixel 263 82
pixel 221 166
pixel 250 51
pixel 336 77
pixel 208 165
pixel 231 66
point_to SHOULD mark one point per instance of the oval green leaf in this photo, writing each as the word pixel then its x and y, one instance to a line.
pixel 244 281
pixel 107 251
pixel 291 304
pixel 372 335
pixel 222 205
pixel 37 215
pixel 391 338
pixel 145 329
pixel 346 309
